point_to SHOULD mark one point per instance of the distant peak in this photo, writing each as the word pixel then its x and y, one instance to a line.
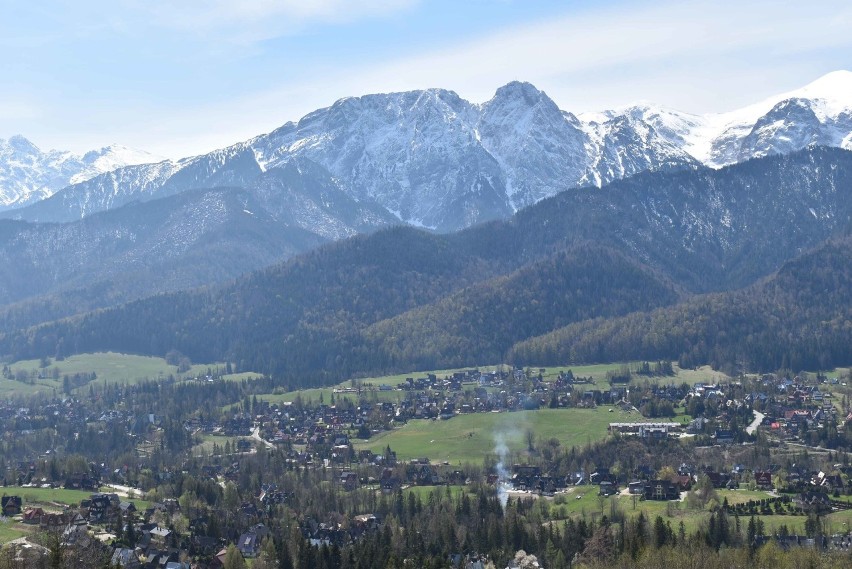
pixel 519 89
pixel 438 94
pixel 834 85
pixel 22 144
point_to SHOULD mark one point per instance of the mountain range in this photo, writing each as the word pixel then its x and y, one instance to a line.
pixel 530 230
pixel 434 160
pixel 193 238
pixel 405 298
pixel 28 175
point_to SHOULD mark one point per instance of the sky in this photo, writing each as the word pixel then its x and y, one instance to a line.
pixel 183 77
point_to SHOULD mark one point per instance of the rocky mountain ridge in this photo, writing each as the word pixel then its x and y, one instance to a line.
pixel 405 298
pixel 29 175
pixel 434 160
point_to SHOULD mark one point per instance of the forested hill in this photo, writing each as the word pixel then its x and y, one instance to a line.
pixel 299 311
pixel 480 323
pixel 307 318
pixel 364 304
pixel 708 229
pixel 801 318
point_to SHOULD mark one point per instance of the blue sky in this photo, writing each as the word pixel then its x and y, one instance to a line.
pixel 184 77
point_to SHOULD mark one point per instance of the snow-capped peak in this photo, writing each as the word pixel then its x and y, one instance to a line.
pixel 833 91
pixel 433 158
pixel 110 158
pixel 28 174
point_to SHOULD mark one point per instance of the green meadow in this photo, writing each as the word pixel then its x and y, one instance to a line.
pixel 10 531
pixel 205 446
pixel 108 367
pixel 584 500
pixel 56 497
pixel 469 438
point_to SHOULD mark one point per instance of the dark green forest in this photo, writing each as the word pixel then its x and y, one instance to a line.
pixel 801 318
pixel 588 264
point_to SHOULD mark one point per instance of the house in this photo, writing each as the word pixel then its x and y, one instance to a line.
pixel 683 483
pixel 127 507
pixel 763 479
pixel 33 515
pixel 817 502
pixel 832 482
pixel 52 521
pixel 600 475
pixel 349 480
pixel 99 506
pixel 661 490
pixel 76 536
pixel 718 479
pixel 362 524
pixel 124 557
pixel 249 545
pixel 160 535
pixel 218 560
pixel 723 436
pixel 160 559
pixel 389 481
pixel 11 505
pixel 81 482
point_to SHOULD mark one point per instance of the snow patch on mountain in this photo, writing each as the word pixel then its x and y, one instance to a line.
pixel 825 105
pixel 28 175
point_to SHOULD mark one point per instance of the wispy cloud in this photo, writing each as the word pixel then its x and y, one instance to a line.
pixel 183 77
pixel 657 48
pixel 250 21
pixel 698 56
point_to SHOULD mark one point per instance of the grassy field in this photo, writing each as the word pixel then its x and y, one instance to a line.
pixel 598 374
pixel 207 442
pixel 424 491
pixel 109 367
pixel 56 496
pixel 584 500
pixel 244 376
pixel 742 496
pixel 10 531
pixel 704 374
pixel 11 388
pixel 466 438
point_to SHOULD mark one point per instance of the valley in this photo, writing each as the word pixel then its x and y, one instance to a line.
pixel 547 437
pixel 412 330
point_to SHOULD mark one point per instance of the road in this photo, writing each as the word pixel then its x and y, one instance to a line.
pixel 758 419
pixel 255 434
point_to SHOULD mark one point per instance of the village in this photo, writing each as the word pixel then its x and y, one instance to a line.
pixel 328 437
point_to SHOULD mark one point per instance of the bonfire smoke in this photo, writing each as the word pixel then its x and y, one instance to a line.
pixel 502 452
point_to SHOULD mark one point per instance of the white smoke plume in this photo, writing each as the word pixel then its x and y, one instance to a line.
pixel 502 452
